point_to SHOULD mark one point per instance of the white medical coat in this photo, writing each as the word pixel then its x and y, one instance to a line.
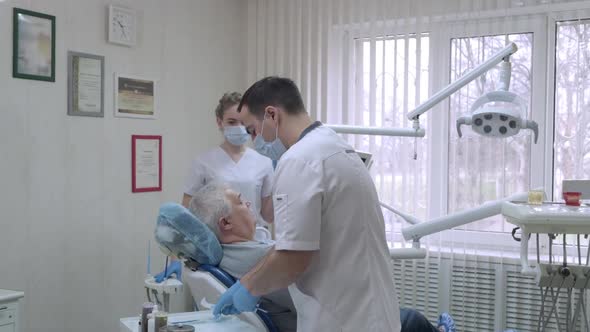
pixel 325 200
pixel 252 175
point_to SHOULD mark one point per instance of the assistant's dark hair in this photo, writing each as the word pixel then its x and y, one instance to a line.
pixel 273 91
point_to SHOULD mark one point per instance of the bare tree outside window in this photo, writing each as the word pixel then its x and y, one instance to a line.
pixel 572 104
pixel 400 83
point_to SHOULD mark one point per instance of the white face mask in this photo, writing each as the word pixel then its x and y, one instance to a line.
pixel 236 135
pixel 273 150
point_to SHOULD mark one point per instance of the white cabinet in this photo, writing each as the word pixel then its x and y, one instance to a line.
pixel 10 310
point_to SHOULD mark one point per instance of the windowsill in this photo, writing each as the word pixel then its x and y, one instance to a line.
pixel 470 254
pixel 497 255
pixel 464 241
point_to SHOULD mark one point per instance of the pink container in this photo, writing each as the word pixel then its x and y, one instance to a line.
pixel 572 198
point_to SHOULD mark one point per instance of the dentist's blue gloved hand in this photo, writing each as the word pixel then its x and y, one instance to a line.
pixel 173 268
pixel 235 300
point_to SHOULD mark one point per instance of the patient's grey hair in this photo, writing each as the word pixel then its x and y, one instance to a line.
pixel 209 205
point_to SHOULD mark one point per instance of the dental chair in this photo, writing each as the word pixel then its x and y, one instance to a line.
pixel 180 233
pixel 206 285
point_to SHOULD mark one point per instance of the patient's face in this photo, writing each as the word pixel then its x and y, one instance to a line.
pixel 241 217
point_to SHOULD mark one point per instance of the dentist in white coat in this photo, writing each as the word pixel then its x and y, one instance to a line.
pixel 330 235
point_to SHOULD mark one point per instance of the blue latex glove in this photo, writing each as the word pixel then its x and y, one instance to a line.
pixel 235 300
pixel 173 268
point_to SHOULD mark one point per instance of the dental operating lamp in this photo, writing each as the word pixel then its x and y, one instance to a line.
pixel 492 121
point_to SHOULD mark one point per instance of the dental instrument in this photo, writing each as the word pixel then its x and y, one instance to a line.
pixel 166 267
pixel 149 258
pixel 178 328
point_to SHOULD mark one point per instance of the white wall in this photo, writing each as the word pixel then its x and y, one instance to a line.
pixel 72 235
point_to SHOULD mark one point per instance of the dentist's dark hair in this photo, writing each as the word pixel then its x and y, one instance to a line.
pixel 273 91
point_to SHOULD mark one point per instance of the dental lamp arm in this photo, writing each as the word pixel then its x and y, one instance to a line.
pixel 417 231
pixel 505 74
pixel 380 131
pixel 408 253
pixel 488 209
pixel 463 81
pixel 408 218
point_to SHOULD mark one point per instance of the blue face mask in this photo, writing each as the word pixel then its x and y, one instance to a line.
pixel 274 150
pixel 236 135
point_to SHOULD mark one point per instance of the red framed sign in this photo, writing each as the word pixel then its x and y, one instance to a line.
pixel 146 163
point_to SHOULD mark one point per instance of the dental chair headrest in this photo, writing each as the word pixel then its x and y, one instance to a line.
pixel 183 235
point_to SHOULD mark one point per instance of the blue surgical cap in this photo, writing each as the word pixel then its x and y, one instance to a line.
pixel 185 236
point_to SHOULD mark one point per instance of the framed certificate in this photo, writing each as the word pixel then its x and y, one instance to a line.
pixel 33 51
pixel 146 163
pixel 85 84
pixel 135 97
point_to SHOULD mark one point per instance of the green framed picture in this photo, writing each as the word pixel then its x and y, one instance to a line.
pixel 33 52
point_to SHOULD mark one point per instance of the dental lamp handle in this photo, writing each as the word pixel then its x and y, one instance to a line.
pixel 532 125
pixel 505 73
pixel 464 120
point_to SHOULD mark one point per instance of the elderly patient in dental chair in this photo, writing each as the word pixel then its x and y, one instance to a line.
pixel 232 221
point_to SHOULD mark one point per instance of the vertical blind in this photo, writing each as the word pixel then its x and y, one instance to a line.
pixel 371 62
pixel 572 101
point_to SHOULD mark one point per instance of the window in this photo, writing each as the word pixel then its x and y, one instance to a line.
pixel 396 84
pixel 571 158
pixel 391 75
pixel 482 168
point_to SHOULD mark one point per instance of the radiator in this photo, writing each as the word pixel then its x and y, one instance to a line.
pixel 481 293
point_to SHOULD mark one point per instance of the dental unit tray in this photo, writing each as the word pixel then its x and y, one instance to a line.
pixel 549 217
pixel 159 293
pixel 569 276
pixel 168 286
pixel 202 321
